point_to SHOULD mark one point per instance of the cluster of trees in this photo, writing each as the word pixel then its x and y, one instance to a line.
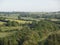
pixel 32 15
pixel 2 18
pixel 41 15
pixel 8 22
pixel 12 23
pixel 34 34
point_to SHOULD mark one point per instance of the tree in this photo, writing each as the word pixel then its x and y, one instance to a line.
pixel 9 23
pixel 2 18
pixel 19 17
pixel 14 23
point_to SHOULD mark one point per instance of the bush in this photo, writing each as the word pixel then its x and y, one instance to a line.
pixel 12 23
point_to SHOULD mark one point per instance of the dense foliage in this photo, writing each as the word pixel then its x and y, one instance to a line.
pixel 12 23
pixel 42 33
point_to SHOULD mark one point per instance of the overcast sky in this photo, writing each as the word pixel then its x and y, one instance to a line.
pixel 30 5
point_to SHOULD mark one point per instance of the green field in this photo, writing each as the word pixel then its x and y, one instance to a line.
pixel 20 21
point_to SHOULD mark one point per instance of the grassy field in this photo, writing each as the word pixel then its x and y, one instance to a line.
pixel 2 23
pixel 7 29
pixel 4 34
pixel 20 21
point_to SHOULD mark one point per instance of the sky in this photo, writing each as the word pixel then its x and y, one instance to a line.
pixel 30 5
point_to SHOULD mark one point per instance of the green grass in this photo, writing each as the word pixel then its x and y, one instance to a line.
pixel 2 23
pixel 4 34
pixel 5 28
pixel 20 21
pixel 8 31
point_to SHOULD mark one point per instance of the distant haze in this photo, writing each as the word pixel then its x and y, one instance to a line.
pixel 30 5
